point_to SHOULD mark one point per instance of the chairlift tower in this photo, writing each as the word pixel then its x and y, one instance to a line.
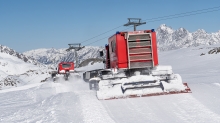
pixel 135 22
pixel 76 47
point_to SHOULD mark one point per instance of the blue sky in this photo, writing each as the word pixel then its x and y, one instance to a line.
pixel 29 24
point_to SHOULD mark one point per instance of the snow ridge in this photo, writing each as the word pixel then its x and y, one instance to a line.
pixel 28 59
pixel 169 39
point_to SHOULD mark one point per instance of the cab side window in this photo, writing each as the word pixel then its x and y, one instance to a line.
pixel 113 45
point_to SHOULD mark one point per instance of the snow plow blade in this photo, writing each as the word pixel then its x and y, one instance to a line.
pixel 124 96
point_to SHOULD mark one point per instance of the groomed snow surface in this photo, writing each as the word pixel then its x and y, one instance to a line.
pixel 72 101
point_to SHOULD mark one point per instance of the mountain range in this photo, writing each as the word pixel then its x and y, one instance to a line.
pixel 167 39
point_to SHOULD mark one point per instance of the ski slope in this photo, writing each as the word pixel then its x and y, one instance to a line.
pixel 72 101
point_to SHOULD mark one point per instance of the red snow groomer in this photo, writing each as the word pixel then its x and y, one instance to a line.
pixel 64 68
pixel 132 69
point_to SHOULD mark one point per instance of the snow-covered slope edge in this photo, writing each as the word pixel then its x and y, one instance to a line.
pixel 28 59
pixel 15 72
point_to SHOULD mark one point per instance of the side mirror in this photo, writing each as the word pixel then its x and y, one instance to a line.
pixel 101 53
pixel 104 61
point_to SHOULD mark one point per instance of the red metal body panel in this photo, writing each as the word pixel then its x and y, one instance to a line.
pixel 154 46
pixel 68 66
pixel 122 51
pixel 118 50
pixel 113 51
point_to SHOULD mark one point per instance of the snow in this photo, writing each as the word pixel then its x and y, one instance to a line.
pixel 72 101
pixel 14 69
pixel 169 38
pixel 12 65
pixel 173 87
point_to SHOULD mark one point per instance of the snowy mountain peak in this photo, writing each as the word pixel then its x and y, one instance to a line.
pixel 201 31
pixel 169 39
pixel 182 29
pixel 164 27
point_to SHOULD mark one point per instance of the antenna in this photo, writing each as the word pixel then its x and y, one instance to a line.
pixel 76 47
pixel 135 22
